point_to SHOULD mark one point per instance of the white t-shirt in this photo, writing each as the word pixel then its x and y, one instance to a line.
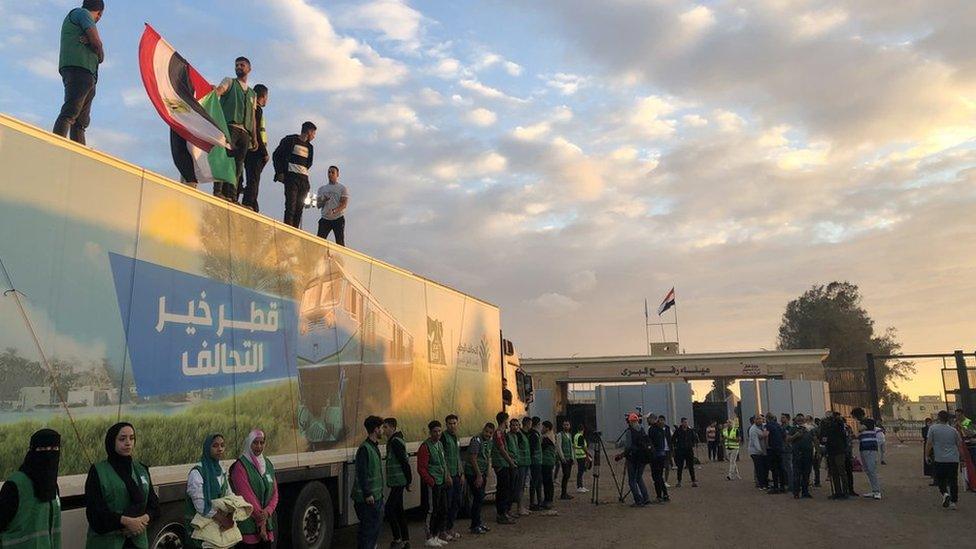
pixel 328 199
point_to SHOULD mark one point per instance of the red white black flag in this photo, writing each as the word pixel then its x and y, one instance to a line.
pixel 667 303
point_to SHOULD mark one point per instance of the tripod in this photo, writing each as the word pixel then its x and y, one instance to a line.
pixel 597 464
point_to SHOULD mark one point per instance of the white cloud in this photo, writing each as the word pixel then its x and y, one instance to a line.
pixel 488 92
pixel 555 304
pixel 694 120
pixel 481 117
pixel 393 19
pixel 489 59
pixel 430 97
pixel 582 281
pixel 815 23
pixel 647 117
pixel 45 65
pixel 532 132
pixel 565 83
pixel 134 96
pixel 624 154
pixel 446 68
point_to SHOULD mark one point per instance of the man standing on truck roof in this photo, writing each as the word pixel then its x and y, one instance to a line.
pixel 367 487
pixel 81 53
pixel 399 477
pixel 452 452
pixel 238 102
pixel 432 466
pixel 256 160
pixel 504 465
pixel 292 160
pixel 332 198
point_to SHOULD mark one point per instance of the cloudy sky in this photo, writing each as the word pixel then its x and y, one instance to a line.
pixel 566 159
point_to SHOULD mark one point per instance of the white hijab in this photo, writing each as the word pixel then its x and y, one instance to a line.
pixel 257 460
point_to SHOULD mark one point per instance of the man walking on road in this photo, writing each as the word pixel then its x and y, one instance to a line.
pixel 564 451
pixel 333 199
pixel 732 439
pixel 292 161
pixel 81 53
pixel 659 441
pixel 256 160
pixel 942 451
pixel 684 441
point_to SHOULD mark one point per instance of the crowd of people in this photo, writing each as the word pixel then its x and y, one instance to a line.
pixel 81 53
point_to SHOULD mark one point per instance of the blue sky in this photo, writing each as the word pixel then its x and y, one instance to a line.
pixel 568 158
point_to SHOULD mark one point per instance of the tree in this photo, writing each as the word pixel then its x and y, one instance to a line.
pixel 831 317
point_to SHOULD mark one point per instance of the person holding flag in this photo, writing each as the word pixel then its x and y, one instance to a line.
pixel 238 102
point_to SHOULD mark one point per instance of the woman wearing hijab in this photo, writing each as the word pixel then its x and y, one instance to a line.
pixel 30 510
pixel 206 482
pixel 120 502
pixel 253 478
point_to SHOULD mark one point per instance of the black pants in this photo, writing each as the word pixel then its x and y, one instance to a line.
pixel 433 499
pixel 580 471
pixel 296 188
pixel 370 524
pixel 658 465
pixel 477 498
pixel 240 141
pixel 253 166
pixel 801 471
pixel 535 485
pixel 760 469
pixel 338 226
pixel 774 460
pixel 712 450
pixel 503 487
pixel 682 457
pixel 838 477
pixel 567 467
pixel 548 483
pixel 815 464
pixel 849 472
pixel 79 91
pixel 396 515
pixel 947 475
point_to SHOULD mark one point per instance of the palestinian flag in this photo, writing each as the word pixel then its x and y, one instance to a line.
pixel 186 101
pixel 667 303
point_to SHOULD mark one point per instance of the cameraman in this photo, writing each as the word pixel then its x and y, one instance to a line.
pixel 635 444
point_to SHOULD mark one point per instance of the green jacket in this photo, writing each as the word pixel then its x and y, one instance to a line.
pixel 73 52
pixel 263 486
pixel 452 453
pixel 37 524
pixel 117 500
pixel 374 474
pixel 525 452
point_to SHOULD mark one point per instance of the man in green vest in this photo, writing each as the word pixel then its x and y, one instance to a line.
pixel 520 450
pixel 432 467
pixel 732 440
pixel 399 477
pixel 504 465
pixel 452 453
pixel 367 488
pixel 81 53
pixel 477 458
pixel 30 510
pixel 530 428
pixel 564 452
pixel 256 159
pixel 238 102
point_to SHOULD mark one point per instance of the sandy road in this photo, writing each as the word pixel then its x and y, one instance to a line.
pixel 720 513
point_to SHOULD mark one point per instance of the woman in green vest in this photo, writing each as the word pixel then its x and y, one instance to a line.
pixel 30 510
pixel 252 477
pixel 120 502
pixel 206 482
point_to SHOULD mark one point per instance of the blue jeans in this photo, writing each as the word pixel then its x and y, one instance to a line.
pixel 370 523
pixel 477 497
pixel 635 476
pixel 453 502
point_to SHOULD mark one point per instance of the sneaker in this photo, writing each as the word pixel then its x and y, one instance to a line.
pixel 525 512
pixel 565 497
pixel 476 531
pixel 434 542
pixel 445 537
pixel 952 506
pixel 504 520
pixel 868 495
pixel 485 527
pixel 581 490
pixel 876 495
pixel 550 513
pixel 945 500
pixel 694 485
pixel 666 485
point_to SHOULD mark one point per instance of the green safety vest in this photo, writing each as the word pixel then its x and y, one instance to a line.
pixel 374 478
pixel 452 453
pixel 498 461
pixel 73 52
pixel 566 445
pixel 37 524
pixel 512 444
pixel 731 438
pixel 536 449
pixel 436 464
pixel 263 487
pixel 483 457
pixel 394 471
pixel 238 105
pixel 579 446
pixel 117 500
pixel 548 454
pixel 525 453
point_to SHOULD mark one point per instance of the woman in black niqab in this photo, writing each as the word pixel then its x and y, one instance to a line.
pixel 41 463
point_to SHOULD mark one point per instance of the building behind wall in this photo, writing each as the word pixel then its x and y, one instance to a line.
pixel 927 406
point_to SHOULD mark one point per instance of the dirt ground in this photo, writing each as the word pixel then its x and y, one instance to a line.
pixel 720 513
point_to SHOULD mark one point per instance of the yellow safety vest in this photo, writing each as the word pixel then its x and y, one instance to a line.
pixel 731 438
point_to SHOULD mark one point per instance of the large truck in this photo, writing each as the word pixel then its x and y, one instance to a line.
pixel 129 296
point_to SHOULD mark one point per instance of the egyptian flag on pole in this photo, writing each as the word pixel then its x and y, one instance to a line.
pixel 667 303
pixel 186 101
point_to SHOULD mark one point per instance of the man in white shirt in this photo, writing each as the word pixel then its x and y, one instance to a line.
pixel 333 199
pixel 757 451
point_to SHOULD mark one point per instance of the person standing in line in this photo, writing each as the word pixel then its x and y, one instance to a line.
pixel 659 441
pixel 476 460
pixel 942 451
pixel 399 477
pixel 564 451
pixel 775 443
pixel 252 477
pixel 849 456
pixel 548 466
pixel 432 467
pixel 867 437
pixel 535 462
pixel 30 509
pixel 670 450
pixel 730 434
pixel 581 453
pixel 120 502
pixel 834 440
pixel 367 487
pixel 926 463
pixel 292 160
pixel 238 101
pixel 206 482
pixel 818 449
pixel 81 53
pixel 684 441
pixel 519 445
pixel 257 159
pixel 333 198
pixel 801 442
pixel 711 438
pixel 452 454
pixel 504 465
pixel 757 452
pixel 786 458
pixel 634 444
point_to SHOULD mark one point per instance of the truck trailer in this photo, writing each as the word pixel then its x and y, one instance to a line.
pixel 129 296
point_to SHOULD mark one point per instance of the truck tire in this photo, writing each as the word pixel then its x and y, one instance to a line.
pixel 312 519
pixel 170 536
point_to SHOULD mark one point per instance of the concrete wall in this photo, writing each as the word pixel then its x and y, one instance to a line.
pixel 613 402
pixel 543 405
pixel 784 396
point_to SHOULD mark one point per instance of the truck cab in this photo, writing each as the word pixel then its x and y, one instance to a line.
pixel 516 384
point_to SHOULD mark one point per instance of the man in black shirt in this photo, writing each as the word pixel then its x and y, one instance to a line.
pixel 801 444
pixel 684 440
pixel 256 160
pixel 292 162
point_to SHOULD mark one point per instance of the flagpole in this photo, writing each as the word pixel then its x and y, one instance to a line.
pixel 676 335
pixel 647 329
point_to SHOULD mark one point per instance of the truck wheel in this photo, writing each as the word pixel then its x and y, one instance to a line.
pixel 170 536
pixel 312 518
